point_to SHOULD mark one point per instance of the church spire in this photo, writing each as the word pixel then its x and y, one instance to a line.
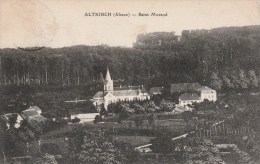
pixel 108 78
pixel 108 85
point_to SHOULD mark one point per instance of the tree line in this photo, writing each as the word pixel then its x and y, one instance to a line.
pixel 156 59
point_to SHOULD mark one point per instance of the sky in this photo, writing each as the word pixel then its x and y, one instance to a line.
pixel 60 23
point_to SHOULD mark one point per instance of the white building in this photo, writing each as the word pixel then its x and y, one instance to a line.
pixel 85 117
pixel 33 113
pixel 198 93
pixel 156 91
pixel 207 93
pixel 113 94
pixel 34 108
pixel 189 98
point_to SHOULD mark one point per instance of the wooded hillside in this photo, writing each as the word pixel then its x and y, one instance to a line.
pixel 212 57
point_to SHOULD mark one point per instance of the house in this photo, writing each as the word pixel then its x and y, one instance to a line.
pixel 112 94
pixel 189 98
pixel 180 109
pixel 184 87
pixel 28 114
pixel 207 93
pixel 84 117
pixel 6 118
pixel 197 93
pixel 34 108
pixel 145 150
pixel 33 113
pixel 38 118
pixel 156 90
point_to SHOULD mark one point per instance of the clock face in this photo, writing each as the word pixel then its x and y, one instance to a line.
pixel 32 26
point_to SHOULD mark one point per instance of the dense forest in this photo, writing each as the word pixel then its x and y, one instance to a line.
pixel 221 58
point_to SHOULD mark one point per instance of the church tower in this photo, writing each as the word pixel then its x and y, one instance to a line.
pixel 108 83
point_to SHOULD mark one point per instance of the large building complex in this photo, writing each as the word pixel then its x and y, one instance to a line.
pixel 112 94
pixel 193 92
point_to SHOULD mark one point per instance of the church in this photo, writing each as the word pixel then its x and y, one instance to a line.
pixel 112 94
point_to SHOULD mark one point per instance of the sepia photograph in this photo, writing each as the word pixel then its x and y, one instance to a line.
pixel 130 82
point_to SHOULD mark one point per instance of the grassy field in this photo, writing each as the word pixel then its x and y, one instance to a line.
pixel 174 125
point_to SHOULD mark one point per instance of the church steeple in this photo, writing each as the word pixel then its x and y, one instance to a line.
pixel 108 78
pixel 108 84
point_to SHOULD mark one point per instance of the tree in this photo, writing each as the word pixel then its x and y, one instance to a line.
pixel 163 144
pixel 95 148
pixel 46 159
pixel 150 107
pixel 227 82
pixel 152 120
pixel 215 81
pixel 50 148
pixel 253 78
pixel 75 120
pixel 98 119
pixel 138 108
pixel 103 111
pixel 244 81
pixel 12 121
pixel 167 106
pixel 138 121
pixel 128 150
pixel 201 151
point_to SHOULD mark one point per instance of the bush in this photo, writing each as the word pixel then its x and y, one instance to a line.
pixel 98 118
pixel 50 148
pixel 50 125
pixel 75 120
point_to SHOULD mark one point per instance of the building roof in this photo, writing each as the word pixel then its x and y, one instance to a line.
pixel 36 108
pixel 189 96
pixel 118 93
pixel 9 115
pixel 127 88
pixel 183 87
pixel 125 93
pixel 156 90
pixel 108 77
pixel 38 118
pixel 99 94
pixel 75 111
pixel 205 88
pixel 143 91
pixel 30 113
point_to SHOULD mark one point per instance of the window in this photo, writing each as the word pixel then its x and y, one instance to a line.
pixel 118 99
